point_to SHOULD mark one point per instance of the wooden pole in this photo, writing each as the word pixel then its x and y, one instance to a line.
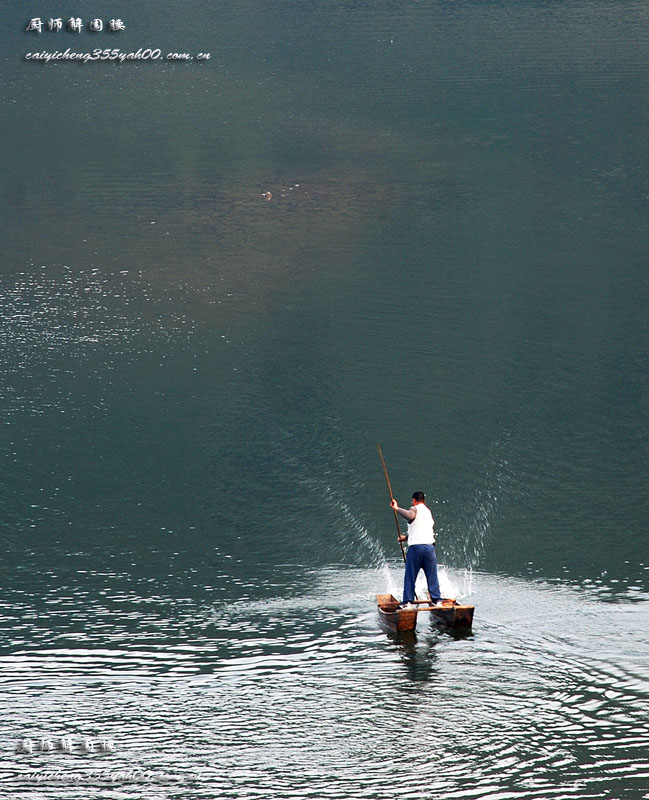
pixel 396 518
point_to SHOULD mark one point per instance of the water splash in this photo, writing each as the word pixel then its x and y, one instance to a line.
pixel 391 585
pixel 484 506
pixel 371 545
pixel 456 586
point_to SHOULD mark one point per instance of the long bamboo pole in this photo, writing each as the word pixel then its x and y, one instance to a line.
pixel 396 518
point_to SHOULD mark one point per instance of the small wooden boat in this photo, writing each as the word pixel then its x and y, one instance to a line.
pixel 450 615
pixel 393 615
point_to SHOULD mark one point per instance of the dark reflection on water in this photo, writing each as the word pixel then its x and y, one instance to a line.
pixel 419 661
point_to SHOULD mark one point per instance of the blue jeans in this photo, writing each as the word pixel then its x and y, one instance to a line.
pixel 421 556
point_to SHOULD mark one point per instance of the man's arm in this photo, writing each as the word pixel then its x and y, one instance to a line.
pixel 406 513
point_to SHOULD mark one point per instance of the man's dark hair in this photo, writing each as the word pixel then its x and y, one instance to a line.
pixel 420 497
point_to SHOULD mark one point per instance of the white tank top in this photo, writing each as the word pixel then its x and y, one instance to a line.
pixel 420 530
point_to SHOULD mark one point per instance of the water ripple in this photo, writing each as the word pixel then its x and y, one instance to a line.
pixel 221 695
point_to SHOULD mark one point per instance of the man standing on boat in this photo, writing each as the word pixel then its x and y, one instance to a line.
pixel 421 547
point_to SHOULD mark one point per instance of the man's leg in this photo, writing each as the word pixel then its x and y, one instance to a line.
pixel 412 569
pixel 429 565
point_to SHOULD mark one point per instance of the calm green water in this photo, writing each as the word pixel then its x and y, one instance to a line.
pixel 194 380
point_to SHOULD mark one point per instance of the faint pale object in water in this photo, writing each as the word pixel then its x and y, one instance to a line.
pixel 267 196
